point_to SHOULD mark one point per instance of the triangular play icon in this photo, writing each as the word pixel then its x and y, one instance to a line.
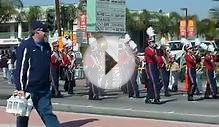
pixel 109 63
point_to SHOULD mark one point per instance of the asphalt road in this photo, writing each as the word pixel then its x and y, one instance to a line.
pixel 115 103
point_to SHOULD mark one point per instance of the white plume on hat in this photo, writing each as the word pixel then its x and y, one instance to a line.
pixel 132 45
pixel 150 32
pixel 127 38
pixel 211 48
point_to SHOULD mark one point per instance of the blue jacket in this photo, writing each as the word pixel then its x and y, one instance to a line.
pixel 33 66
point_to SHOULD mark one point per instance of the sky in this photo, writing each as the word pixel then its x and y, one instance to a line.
pixel 198 7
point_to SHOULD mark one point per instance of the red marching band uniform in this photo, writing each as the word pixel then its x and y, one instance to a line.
pixel 211 86
pixel 191 74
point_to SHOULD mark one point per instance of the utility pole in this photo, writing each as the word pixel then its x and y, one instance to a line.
pixel 57 5
pixel 186 10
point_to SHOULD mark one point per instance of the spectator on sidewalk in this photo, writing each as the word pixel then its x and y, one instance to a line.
pixel 33 75
pixel 4 65
pixel 175 70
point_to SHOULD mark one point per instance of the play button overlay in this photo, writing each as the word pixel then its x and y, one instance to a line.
pixel 108 63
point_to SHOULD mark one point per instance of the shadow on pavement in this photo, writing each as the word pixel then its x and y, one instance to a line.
pixel 77 123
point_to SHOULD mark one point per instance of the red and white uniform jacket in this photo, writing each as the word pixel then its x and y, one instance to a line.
pixel 209 63
pixel 190 61
pixel 55 59
pixel 150 56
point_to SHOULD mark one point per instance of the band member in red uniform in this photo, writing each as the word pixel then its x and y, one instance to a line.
pixel 66 62
pixel 162 63
pixel 209 63
pixel 56 60
pixel 153 91
pixel 191 71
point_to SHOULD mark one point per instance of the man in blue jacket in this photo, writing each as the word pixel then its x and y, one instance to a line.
pixel 32 75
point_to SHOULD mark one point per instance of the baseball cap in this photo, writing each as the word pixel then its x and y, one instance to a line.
pixel 39 26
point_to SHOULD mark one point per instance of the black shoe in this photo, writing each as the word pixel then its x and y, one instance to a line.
pixel 206 97
pixel 96 98
pixel 190 98
pixel 147 101
pixel 214 97
pixel 167 94
pixel 156 101
pixel 70 92
pixel 58 96
pixel 90 98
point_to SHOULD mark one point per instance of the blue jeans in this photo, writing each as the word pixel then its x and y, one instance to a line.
pixel 42 104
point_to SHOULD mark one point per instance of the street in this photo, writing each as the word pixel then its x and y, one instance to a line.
pixel 115 103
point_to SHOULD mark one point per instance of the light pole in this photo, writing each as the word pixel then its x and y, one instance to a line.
pixel 57 6
pixel 186 10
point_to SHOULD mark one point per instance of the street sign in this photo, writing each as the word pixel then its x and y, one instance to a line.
pixel 106 16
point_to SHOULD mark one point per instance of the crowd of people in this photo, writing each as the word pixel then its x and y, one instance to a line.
pixel 7 60
pixel 159 62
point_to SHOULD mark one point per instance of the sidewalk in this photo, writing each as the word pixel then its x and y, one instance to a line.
pixel 88 120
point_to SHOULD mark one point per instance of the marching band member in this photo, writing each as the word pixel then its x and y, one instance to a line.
pixel 55 66
pixel 211 86
pixel 132 85
pixel 162 63
pixel 66 62
pixel 151 69
pixel 191 71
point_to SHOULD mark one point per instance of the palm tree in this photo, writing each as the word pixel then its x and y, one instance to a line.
pixel 34 13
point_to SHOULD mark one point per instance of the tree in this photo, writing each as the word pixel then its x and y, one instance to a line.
pixel 68 16
pixel 34 13
pixel 7 10
pixel 174 18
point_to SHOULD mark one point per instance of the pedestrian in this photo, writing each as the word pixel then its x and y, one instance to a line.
pixel 4 64
pixel 10 68
pixel 32 75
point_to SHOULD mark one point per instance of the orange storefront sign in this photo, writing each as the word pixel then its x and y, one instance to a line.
pixel 183 28
pixel 191 28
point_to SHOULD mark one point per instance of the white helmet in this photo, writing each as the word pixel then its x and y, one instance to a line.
pixel 211 48
pixel 197 42
pixel 204 46
pixel 185 41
